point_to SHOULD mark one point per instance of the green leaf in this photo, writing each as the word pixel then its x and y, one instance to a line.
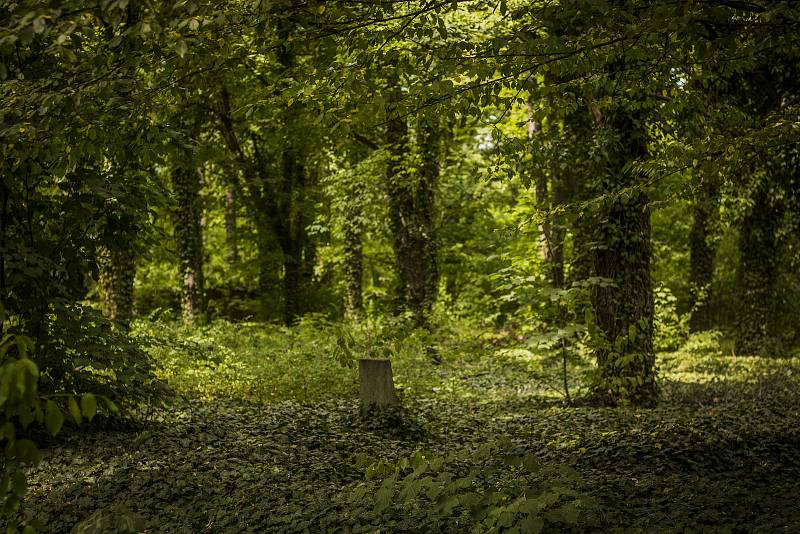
pixel 88 406
pixel 53 418
pixel 5 378
pixel 531 524
pixel 7 431
pixel 74 410
pixel 112 406
pixel 569 513
pixel 383 498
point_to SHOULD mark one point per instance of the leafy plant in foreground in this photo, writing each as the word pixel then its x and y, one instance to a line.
pixel 21 405
pixel 494 489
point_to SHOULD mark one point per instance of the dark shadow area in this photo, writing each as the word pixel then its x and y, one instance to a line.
pixel 228 466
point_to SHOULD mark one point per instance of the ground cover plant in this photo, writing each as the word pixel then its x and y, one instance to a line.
pixel 399 266
pixel 487 449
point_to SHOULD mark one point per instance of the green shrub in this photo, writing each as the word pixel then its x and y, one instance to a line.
pixel 249 361
pixel 21 406
pixel 83 351
pixel 670 329
pixel 707 342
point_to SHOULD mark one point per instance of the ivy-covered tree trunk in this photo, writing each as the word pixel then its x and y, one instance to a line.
pixel 411 214
pixel 189 241
pixel 756 276
pixel 270 265
pixel 117 273
pixel 558 232
pixel 573 186
pixel 624 307
pixel 231 241
pixel 291 236
pixel 304 210
pixel 3 225
pixel 701 256
pixel 430 146
pixel 353 264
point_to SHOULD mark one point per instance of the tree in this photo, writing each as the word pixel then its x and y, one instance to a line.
pixel 411 203
pixel 623 306
pixel 231 239
pixel 701 253
pixel 117 262
pixel 189 239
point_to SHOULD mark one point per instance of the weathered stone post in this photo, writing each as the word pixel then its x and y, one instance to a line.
pixel 377 385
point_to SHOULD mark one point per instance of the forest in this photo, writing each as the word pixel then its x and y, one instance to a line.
pixel 381 266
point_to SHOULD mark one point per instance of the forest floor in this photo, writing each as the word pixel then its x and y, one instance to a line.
pixel 264 435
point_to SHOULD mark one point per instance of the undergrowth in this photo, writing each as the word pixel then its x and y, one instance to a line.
pixel 265 436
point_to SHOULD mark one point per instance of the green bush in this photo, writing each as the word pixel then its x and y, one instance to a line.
pixel 670 328
pixel 21 406
pixel 83 352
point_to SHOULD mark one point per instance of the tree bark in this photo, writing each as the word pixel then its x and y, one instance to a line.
pixel 353 264
pixel 756 277
pixel 553 189
pixel 291 236
pixel 231 241
pixel 702 250
pixel 189 241
pixel 292 216
pixel 624 310
pixel 117 273
pixel 575 173
pixel 541 194
pixel 411 199
pixel 3 215
pixel 558 233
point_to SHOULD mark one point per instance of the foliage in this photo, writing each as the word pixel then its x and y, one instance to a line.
pixel 670 328
pixel 491 489
pixel 21 406
pixel 354 155
pixel 313 361
pixel 719 452
pixel 247 360
pixel 85 352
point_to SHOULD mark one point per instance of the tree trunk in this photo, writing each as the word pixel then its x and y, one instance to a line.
pixel 549 194
pixel 117 273
pixel 541 195
pixel 756 277
pixel 270 263
pixel 575 172
pixel 701 256
pixel 353 264
pixel 558 233
pixel 3 223
pixel 292 237
pixel 189 240
pixel 624 310
pixel 231 241
pixel 292 216
pixel 309 245
pixel 411 212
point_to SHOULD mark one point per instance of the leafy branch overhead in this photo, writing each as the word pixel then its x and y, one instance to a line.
pixel 583 212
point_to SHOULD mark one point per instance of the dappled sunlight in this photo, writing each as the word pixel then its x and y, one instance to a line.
pixel 384 266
